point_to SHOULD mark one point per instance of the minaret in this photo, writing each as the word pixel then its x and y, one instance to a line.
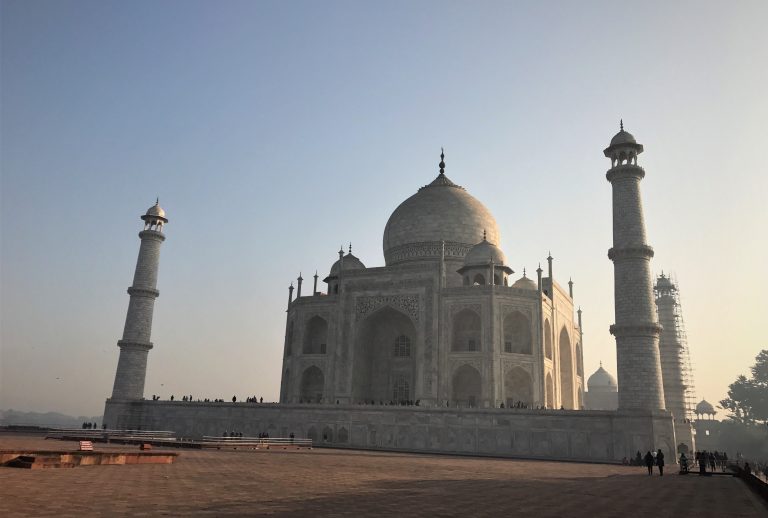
pixel 671 348
pixel 135 344
pixel 636 328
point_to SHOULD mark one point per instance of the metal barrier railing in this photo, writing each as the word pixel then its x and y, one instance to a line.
pixel 77 433
pixel 258 442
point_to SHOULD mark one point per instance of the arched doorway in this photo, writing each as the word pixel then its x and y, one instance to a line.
pixel 316 336
pixel 566 370
pixel 518 387
pixel 467 330
pixel 517 333
pixel 467 387
pixel 385 349
pixel 312 385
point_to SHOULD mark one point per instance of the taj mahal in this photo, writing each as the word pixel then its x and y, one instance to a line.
pixel 444 322
pixel 450 346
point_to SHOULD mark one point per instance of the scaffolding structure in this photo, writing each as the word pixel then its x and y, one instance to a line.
pixel 678 324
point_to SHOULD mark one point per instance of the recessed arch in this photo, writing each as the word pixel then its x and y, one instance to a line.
pixel 479 279
pixel 579 361
pixel 316 336
pixel 312 385
pixel 466 386
pixel 285 386
pixel 401 392
pixel 547 339
pixel 289 339
pixel 517 333
pixel 383 332
pixel 549 392
pixel 566 370
pixel 518 387
pixel 467 330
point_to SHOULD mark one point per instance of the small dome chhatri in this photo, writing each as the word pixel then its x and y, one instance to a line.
pixel 705 408
pixel 156 210
pixel 602 381
pixel 483 253
pixel 350 261
pixel 623 137
pixel 524 283
pixel 154 218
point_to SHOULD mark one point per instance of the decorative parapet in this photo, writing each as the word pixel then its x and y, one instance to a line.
pixel 134 345
pixel 426 250
pixel 143 292
pixel 627 170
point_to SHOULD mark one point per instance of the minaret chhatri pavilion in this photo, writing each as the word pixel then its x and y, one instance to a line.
pixel 135 344
pixel 636 329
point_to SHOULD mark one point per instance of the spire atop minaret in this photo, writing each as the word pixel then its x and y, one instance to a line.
pixel 442 161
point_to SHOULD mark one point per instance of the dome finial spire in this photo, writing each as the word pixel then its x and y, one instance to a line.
pixel 442 161
pixel 621 124
pixel 350 247
pixel 484 235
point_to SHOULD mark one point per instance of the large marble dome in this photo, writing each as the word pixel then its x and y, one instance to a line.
pixel 440 211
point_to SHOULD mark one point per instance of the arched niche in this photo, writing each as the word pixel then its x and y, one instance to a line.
pixel 479 279
pixel 289 339
pixel 285 386
pixel 316 336
pixel 467 331
pixel 312 385
pixel 518 387
pixel 517 333
pixel 579 361
pixel 549 392
pixel 566 371
pixel 375 365
pixel 547 339
pixel 466 387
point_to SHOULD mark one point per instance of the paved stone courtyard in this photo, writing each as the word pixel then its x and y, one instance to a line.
pixel 360 483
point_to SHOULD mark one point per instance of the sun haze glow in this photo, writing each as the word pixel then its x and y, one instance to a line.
pixel 273 132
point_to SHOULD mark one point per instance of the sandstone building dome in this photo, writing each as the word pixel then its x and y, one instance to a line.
pixel 440 211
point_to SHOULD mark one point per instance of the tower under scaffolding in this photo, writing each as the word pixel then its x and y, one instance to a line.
pixel 677 370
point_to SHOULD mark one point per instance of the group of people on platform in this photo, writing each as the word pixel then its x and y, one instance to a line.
pixel 705 460
pixel 251 399
pixel 89 426
pixel 713 459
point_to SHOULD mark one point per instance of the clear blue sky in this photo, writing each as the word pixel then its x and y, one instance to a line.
pixel 275 131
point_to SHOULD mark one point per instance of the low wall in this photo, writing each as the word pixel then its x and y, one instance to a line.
pixel 596 436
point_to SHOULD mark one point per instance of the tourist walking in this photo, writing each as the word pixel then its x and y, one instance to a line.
pixel 660 462
pixel 649 462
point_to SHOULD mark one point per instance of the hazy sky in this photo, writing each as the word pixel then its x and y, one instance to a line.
pixel 275 131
